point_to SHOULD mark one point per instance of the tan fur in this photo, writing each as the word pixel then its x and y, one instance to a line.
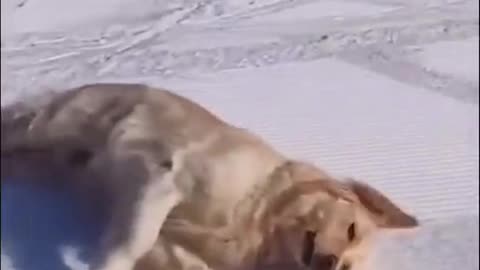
pixel 185 190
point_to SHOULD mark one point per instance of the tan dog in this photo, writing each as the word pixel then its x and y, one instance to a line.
pixel 185 190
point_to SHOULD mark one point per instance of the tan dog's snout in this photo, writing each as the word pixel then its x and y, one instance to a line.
pixel 324 261
pixel 327 262
pixel 320 261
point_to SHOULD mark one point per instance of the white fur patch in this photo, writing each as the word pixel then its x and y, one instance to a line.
pixel 160 196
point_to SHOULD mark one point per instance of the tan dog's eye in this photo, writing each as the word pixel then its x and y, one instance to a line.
pixel 308 247
pixel 351 232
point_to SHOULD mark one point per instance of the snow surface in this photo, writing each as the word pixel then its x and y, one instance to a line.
pixel 438 57
pixel 30 16
pixel 381 90
pixel 310 11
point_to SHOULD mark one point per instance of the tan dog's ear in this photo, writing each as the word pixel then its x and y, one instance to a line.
pixel 385 213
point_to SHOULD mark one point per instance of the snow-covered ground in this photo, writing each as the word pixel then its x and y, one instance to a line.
pixel 465 53
pixel 382 90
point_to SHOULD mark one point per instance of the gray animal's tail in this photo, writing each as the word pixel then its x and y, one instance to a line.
pixel 25 123
pixel 21 156
pixel 15 124
pixel 65 128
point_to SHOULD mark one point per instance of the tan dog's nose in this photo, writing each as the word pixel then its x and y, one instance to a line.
pixel 324 262
pixel 345 267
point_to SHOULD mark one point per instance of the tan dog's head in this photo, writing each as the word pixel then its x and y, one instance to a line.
pixel 324 224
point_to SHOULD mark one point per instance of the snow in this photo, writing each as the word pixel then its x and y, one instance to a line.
pixel 458 58
pixel 382 90
pixel 30 16
pixel 321 9
pixel 451 244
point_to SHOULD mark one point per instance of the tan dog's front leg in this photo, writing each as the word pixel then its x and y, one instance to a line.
pixel 145 195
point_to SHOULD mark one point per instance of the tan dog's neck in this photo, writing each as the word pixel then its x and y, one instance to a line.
pixel 279 181
pixel 288 181
pixel 256 213
pixel 256 220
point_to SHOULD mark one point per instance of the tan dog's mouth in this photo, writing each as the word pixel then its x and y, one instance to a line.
pixel 317 261
pixel 308 247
